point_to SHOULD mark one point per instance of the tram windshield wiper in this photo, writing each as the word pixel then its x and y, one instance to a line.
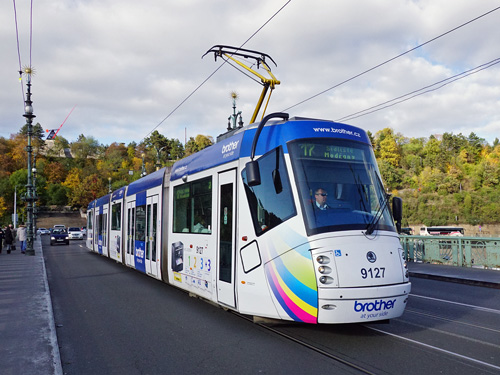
pixel 378 215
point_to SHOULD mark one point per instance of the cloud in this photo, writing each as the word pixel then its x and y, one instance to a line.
pixel 127 65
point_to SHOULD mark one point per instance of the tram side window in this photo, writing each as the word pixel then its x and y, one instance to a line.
pixel 140 223
pixel 116 216
pixel 270 206
pixel 100 224
pixel 193 207
pixel 89 220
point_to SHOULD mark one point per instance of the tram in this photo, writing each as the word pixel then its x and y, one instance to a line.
pixel 286 218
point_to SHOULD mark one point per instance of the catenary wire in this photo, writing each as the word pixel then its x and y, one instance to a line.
pixel 421 91
pixel 31 29
pixel 391 59
pixel 18 51
pixel 216 70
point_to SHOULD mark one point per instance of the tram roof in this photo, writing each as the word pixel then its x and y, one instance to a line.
pixel 118 194
pixel 147 182
pixel 273 134
pixel 102 200
pixel 91 205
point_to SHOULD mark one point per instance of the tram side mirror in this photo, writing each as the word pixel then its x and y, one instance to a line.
pixel 253 173
pixel 278 186
pixel 397 212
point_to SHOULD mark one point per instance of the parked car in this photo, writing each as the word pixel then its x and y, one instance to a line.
pixel 59 235
pixel 75 233
pixel 84 231
pixel 43 231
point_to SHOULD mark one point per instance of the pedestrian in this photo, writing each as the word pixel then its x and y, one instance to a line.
pixel 2 236
pixel 9 237
pixel 21 234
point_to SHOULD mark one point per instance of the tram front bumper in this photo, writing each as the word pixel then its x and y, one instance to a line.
pixel 356 305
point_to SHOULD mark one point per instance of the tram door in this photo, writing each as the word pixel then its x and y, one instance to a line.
pixel 103 231
pixel 226 237
pixel 151 235
pixel 130 239
pixel 96 230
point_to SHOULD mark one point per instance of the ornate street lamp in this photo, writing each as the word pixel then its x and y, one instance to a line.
pixel 158 154
pixel 35 195
pixel 143 168
pixel 30 195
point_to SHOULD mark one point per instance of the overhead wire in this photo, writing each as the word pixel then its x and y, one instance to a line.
pixel 421 91
pixel 392 59
pixel 18 51
pixel 19 48
pixel 216 70
pixel 31 29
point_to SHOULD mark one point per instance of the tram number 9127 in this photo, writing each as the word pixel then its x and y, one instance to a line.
pixel 373 273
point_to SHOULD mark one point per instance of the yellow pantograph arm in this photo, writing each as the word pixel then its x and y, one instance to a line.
pixel 266 82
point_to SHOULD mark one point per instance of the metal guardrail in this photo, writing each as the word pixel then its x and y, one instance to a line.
pixel 455 251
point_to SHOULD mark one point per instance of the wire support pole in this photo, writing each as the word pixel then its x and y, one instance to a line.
pixel 30 197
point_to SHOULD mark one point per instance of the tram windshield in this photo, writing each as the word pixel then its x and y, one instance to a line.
pixel 339 186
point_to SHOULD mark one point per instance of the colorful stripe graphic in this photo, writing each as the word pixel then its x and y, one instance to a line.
pixel 299 300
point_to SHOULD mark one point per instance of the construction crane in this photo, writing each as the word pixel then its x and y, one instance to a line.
pixel 53 132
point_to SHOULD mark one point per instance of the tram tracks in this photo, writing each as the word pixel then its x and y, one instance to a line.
pixel 309 346
pixel 435 348
pixel 341 359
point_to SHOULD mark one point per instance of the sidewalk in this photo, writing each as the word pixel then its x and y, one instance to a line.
pixel 28 341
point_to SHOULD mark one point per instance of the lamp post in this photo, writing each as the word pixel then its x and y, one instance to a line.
pixel 231 120
pixel 109 185
pixel 14 215
pixel 158 153
pixel 34 195
pixel 30 197
pixel 143 168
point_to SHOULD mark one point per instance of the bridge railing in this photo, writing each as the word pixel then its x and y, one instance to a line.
pixel 454 251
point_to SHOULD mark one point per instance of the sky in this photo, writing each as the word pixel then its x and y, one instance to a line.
pixel 129 67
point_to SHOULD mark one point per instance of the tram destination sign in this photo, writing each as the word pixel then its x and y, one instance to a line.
pixel 330 152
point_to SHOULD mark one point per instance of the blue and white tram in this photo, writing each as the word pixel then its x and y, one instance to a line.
pixel 241 227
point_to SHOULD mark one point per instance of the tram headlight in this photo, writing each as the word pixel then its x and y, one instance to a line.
pixel 326 280
pixel 322 259
pixel 324 269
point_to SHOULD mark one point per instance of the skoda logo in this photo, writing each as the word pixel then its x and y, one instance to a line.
pixel 371 257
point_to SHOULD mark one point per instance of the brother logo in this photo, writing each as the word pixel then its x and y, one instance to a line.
pixel 374 306
pixel 230 147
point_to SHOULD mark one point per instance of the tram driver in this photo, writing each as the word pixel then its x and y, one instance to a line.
pixel 321 195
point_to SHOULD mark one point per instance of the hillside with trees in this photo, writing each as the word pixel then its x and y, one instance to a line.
pixel 75 173
pixel 447 179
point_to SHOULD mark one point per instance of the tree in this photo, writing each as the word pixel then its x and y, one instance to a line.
pixel 113 158
pixel 55 172
pixel 84 147
pixel 197 144
pixel 389 150
pixel 57 195
pixel 7 163
pixel 433 157
pixel 3 207
pixel 91 188
pixel 37 137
